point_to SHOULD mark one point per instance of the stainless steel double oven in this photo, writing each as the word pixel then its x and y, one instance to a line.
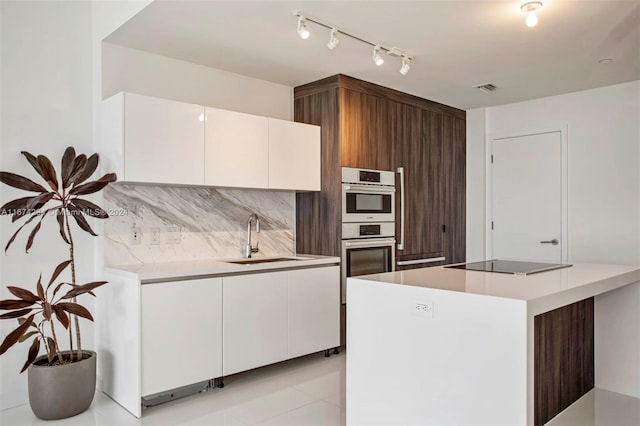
pixel 368 223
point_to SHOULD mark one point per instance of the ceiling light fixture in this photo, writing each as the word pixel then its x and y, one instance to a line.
pixel 406 65
pixel 303 32
pixel 530 8
pixel 334 40
pixel 377 58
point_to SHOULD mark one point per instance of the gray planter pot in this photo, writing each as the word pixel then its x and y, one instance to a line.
pixel 62 391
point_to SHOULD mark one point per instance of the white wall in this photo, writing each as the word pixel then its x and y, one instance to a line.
pixel 604 166
pixel 46 97
pixel 131 70
pixel 475 185
pixel 47 94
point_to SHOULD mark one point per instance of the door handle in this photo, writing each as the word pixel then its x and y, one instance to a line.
pixel 401 243
pixel 555 242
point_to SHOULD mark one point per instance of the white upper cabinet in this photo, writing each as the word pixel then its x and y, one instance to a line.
pixel 294 155
pixel 153 140
pixel 236 149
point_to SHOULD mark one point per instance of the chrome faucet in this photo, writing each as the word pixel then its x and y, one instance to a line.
pixel 249 248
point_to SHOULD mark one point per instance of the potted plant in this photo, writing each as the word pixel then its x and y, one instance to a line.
pixel 61 383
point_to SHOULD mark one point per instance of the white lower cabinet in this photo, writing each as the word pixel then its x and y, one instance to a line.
pixel 254 321
pixel 181 333
pixel 314 310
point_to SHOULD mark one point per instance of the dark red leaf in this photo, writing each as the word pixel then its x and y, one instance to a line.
pixel 40 289
pixel 80 220
pixel 32 235
pixel 13 237
pixel 49 172
pixel 23 294
pixel 29 334
pixel 39 201
pixel 9 304
pixel 65 167
pixel 76 309
pixel 33 353
pixel 13 206
pixel 89 208
pixel 95 186
pixel 20 182
pixel 60 218
pixel 77 168
pixel 58 287
pixel 15 335
pixel 61 315
pixel 89 168
pixel 16 314
pixel 47 311
pixel 52 348
pixel 82 289
pixel 34 163
pixel 61 267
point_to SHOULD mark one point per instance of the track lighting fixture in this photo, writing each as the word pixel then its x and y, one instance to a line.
pixel 376 56
pixel 530 8
pixel 406 65
pixel 334 40
pixel 303 32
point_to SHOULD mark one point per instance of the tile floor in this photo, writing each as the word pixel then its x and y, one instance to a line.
pixel 307 391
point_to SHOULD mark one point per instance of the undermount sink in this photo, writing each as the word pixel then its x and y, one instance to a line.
pixel 268 260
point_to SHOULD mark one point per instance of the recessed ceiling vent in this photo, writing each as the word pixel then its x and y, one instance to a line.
pixel 487 87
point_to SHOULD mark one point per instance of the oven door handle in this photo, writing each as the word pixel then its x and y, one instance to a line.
pixel 401 243
pixel 376 243
pixel 369 188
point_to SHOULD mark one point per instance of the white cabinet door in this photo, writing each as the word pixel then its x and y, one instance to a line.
pixel 163 141
pixel 294 155
pixel 254 321
pixel 236 149
pixel 181 333
pixel 314 310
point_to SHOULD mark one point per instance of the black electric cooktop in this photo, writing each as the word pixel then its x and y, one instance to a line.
pixel 510 266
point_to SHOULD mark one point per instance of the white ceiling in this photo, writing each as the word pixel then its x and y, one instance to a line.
pixel 456 44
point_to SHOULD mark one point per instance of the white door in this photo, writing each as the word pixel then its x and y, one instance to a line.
pixel 236 149
pixel 294 155
pixel 527 197
pixel 181 333
pixel 164 141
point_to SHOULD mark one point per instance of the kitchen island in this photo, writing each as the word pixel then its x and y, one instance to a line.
pixel 440 346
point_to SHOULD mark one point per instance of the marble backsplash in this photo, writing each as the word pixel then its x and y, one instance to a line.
pixel 177 223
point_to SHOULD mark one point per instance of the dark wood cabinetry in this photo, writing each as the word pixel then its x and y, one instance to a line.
pixel 368 126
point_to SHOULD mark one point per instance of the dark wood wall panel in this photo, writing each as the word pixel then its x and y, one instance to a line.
pixel 364 136
pixel 563 358
pixel 454 188
pixel 318 214
pixel 397 96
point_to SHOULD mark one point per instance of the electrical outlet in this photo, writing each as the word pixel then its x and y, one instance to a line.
pixel 136 236
pixel 173 235
pixel 155 236
pixel 423 309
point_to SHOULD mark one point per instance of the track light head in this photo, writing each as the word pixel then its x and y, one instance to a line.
pixel 406 65
pixel 377 58
pixel 334 40
pixel 303 32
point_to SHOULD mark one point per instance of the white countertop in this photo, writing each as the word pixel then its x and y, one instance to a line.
pixel 542 291
pixel 181 270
